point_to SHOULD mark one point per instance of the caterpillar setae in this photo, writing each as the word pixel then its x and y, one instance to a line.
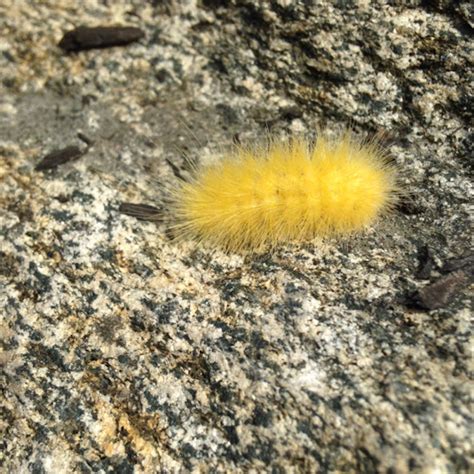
pixel 291 190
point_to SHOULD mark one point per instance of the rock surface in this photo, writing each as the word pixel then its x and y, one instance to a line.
pixel 124 351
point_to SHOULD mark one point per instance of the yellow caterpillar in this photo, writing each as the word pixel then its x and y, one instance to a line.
pixel 285 191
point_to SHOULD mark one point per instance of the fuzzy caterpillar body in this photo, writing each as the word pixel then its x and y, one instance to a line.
pixel 286 191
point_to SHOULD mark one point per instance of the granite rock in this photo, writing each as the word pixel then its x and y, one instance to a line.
pixel 126 351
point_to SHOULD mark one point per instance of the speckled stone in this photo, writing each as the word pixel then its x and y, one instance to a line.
pixel 125 351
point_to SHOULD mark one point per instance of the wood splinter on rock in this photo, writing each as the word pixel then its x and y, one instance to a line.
pixel 59 157
pixel 84 37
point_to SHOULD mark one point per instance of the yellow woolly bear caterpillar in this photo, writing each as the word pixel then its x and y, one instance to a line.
pixel 285 191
